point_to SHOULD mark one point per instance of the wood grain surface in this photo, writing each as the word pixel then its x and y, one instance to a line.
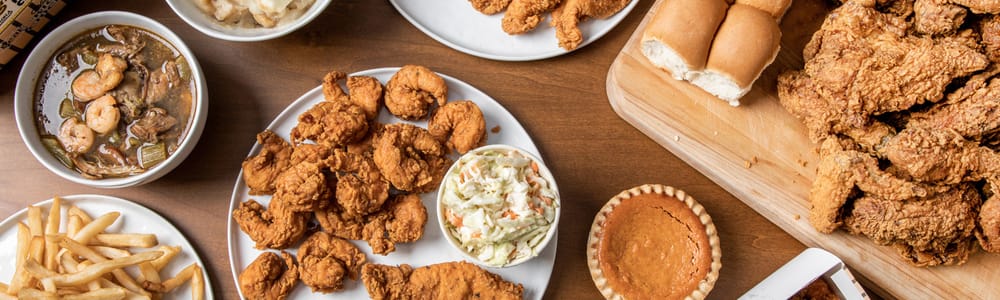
pixel 562 103
pixel 760 153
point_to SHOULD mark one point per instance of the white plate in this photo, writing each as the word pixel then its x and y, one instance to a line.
pixel 432 247
pixel 456 24
pixel 134 219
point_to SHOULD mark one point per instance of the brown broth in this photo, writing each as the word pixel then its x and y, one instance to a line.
pixel 79 55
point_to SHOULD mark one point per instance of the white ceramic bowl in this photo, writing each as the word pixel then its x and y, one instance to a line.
pixel 207 24
pixel 38 59
pixel 542 170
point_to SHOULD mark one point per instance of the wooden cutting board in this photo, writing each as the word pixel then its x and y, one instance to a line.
pixel 760 154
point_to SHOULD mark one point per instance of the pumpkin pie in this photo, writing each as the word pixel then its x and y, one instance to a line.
pixel 653 242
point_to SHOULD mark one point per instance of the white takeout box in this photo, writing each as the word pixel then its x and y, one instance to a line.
pixel 810 265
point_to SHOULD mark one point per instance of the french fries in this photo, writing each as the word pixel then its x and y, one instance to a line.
pixel 85 262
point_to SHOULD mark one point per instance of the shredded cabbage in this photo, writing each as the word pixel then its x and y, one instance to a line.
pixel 498 207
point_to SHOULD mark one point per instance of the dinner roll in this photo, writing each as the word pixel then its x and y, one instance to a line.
pixel 776 8
pixel 746 43
pixel 679 35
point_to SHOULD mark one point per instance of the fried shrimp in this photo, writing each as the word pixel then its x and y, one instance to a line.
pixel 366 92
pixel 102 115
pixel 412 90
pixel 402 154
pixel 402 221
pixel 261 170
pixel 566 18
pixel 524 15
pixel 75 136
pixel 331 123
pixel 325 260
pixel 269 276
pixel 105 76
pixel 460 125
pixel 311 154
pixel 336 222
pixel 361 188
pixel 302 188
pixel 275 228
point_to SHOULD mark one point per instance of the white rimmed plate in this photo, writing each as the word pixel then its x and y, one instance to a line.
pixel 432 247
pixel 134 218
pixel 459 26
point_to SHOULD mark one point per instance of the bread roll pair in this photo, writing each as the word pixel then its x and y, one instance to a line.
pixel 717 47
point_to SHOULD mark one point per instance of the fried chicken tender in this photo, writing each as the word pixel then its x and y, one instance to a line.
pixel 933 226
pixel 331 123
pixel 452 280
pixel 937 16
pixel 412 90
pixel 989 224
pixel 361 188
pixel 275 228
pixel 840 171
pixel 401 221
pixel 460 125
pixel 524 15
pixel 566 18
pixel 490 7
pixel 261 170
pixel 303 188
pixel 409 157
pixel 325 260
pixel 862 63
pixel 366 92
pixel 980 6
pixel 269 277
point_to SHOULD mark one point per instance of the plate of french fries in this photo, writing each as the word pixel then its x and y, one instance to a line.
pixel 97 247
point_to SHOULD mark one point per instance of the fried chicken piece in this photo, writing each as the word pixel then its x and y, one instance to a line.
pixel 401 221
pixel 275 228
pixel 524 15
pixel 989 30
pixel 980 6
pixel 303 188
pixel 261 170
pixel 452 280
pixel 489 7
pixel 841 169
pixel 366 92
pixel 361 188
pixel 325 260
pixel 334 221
pixel 567 16
pixel 989 224
pixel 940 156
pixel 269 276
pixel 405 154
pixel 460 125
pixel 411 91
pixel 331 88
pixel 937 16
pixel 331 123
pixel 930 225
pixel 862 63
pixel 310 154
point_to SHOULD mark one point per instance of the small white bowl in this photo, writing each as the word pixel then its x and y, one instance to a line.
pixel 542 170
pixel 24 93
pixel 208 25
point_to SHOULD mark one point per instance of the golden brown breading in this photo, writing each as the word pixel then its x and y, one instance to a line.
pixel 361 188
pixel 460 125
pixel 989 224
pixel 567 16
pixel 261 170
pixel 404 154
pixel 411 91
pixel 269 276
pixel 275 228
pixel 490 7
pixel 331 123
pixel 302 188
pixel 524 15
pixel 937 16
pixel 367 93
pixel 452 280
pixel 401 221
pixel 325 260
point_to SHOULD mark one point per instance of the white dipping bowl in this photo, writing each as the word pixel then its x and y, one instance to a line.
pixel 542 170
pixel 208 25
pixel 27 81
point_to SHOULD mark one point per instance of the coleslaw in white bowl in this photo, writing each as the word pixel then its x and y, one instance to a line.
pixel 498 205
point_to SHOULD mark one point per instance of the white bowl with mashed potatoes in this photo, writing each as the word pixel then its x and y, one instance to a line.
pixel 247 20
pixel 498 205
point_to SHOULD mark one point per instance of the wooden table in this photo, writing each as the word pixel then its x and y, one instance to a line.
pixel 561 102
